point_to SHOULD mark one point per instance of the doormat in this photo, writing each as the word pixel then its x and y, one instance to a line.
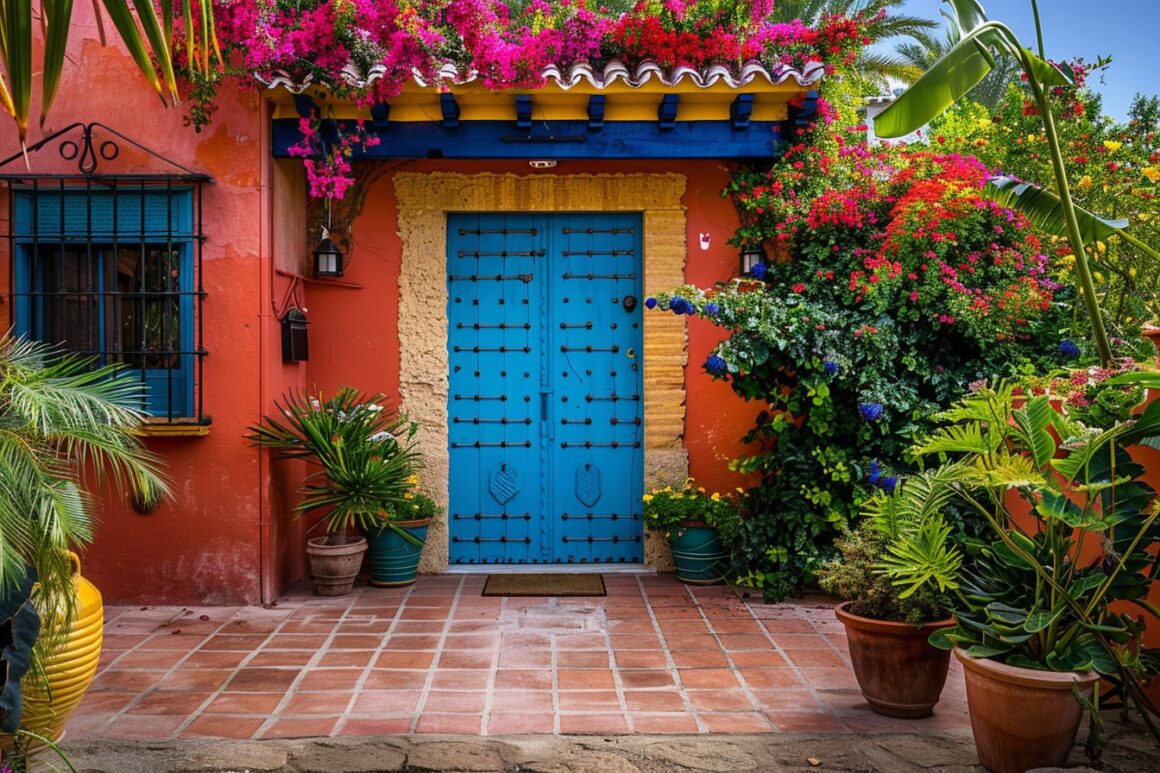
pixel 546 584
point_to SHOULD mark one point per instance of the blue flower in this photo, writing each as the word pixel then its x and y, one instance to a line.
pixel 870 411
pixel 1068 349
pixel 716 366
pixel 650 303
pixel 831 367
pixel 889 483
pixel 758 271
pixel 875 472
pixel 711 309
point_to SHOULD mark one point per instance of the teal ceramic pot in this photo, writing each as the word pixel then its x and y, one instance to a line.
pixel 698 555
pixel 393 560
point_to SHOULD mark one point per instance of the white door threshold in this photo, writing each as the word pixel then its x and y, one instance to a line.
pixel 548 568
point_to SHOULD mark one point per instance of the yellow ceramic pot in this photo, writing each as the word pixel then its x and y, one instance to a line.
pixel 70 669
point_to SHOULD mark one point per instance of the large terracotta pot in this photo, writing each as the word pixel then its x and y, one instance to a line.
pixel 335 567
pixel 1022 718
pixel 901 674
pixel 1152 333
pixel 69 669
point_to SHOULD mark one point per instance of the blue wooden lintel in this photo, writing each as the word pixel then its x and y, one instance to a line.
pixel 596 112
pixel 380 115
pixel 573 139
pixel 667 112
pixel 740 110
pixel 450 110
pixel 524 111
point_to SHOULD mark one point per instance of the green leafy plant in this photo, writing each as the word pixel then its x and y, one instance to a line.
pixel 363 454
pixel 1041 591
pixel 948 80
pixel 669 509
pixel 67 428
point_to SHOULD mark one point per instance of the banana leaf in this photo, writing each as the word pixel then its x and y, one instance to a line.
pixel 1045 211
pixel 967 15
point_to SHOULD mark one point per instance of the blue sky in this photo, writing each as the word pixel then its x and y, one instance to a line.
pixel 1127 30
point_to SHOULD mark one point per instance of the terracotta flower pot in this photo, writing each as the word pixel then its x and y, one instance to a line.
pixel 1152 333
pixel 1022 718
pixel 901 674
pixel 335 567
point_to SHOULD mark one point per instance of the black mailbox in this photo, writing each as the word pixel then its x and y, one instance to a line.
pixel 294 348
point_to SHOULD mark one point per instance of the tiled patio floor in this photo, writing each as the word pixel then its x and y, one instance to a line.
pixel 654 656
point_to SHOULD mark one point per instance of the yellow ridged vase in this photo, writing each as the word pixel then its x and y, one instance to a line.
pixel 70 669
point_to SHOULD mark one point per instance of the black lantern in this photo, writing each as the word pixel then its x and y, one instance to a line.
pixel 327 258
pixel 751 255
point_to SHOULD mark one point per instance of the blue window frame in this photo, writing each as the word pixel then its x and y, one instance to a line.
pixel 108 268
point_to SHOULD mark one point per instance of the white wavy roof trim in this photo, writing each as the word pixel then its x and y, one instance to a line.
pixel 579 73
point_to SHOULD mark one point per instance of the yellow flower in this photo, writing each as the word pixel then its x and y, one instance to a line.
pixel 413 480
pixel 1112 145
pixel 1085 182
pixel 678 495
pixel 1099 278
pixel 1152 173
pixel 1132 271
pixel 408 495
pixel 701 489
pixel 716 497
pixel 647 497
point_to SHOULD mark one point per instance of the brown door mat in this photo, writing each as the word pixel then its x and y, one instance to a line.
pixel 545 584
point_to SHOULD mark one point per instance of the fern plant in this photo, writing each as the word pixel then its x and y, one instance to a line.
pixel 1040 591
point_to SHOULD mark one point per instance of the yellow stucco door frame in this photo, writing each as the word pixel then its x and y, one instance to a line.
pixel 424 201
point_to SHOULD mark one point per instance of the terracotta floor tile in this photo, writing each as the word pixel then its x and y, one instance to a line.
pixel 323 680
pixel 504 723
pixel 211 726
pixel 691 642
pixel 466 659
pixel 263 679
pixel 582 659
pixel 126 681
pixel 663 724
pixel 145 727
pixel 182 642
pixel 525 658
pixel 234 643
pixel 584 679
pixel 386 702
pixel 744 641
pixel 341 658
pixel 700 659
pixel 709 678
pixel 460 679
pixel 471 724
pixel 770 677
pixel 683 627
pixel 654 700
pixel 764 658
pixel 211 659
pixel 719 700
pixel 394 679
pixel 384 726
pixel 300 641
pixel 425 642
pixel 512 678
pixel 581 641
pixel 421 660
pixel 471 641
pixel 169 703
pixel 589 700
pixel 645 679
pixel 634 641
pixel 869 722
pixel 805 722
pixel 300 728
pixel 826 658
pixel 593 724
pixel 325 704
pixel 829 678
pixel 521 701
pixel 205 680
pixel 245 703
pixel 789 699
pixel 739 722
pixel 654 658
pixel 455 701
pixel 418 627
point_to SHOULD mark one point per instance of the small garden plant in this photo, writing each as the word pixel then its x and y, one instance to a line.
pixel 669 509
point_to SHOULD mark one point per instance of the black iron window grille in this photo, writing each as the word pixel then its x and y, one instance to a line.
pixel 109 266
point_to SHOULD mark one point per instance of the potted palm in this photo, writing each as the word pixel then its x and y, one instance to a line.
pixel 1070 529
pixel 363 461
pixel 889 612
pixel 66 427
pixel 693 521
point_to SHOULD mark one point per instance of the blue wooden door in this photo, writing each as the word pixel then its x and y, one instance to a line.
pixel 545 399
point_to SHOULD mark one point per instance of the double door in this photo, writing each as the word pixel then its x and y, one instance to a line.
pixel 545 398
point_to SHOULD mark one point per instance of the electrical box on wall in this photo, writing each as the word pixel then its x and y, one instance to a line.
pixel 294 345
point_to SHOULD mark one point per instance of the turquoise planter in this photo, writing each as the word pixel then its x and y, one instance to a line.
pixel 394 560
pixel 699 557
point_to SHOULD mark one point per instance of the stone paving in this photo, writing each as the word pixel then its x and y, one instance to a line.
pixel 653 657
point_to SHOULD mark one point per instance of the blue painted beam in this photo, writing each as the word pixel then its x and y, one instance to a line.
pixel 740 111
pixel 304 105
pixel 667 112
pixel 524 111
pixel 560 140
pixel 450 110
pixel 380 115
pixel 596 112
